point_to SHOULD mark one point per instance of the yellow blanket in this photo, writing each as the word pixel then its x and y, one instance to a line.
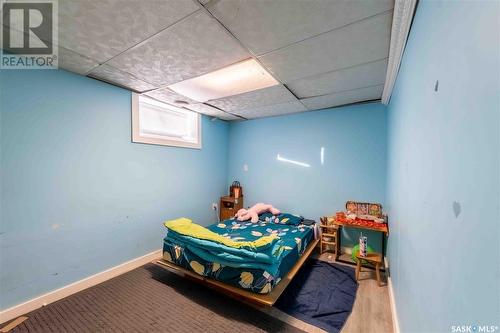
pixel 186 227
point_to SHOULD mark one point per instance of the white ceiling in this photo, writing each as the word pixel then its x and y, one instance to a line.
pixel 325 53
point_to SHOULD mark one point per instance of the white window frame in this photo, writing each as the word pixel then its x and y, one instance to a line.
pixel 138 138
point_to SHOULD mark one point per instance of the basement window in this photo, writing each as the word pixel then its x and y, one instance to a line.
pixel 158 123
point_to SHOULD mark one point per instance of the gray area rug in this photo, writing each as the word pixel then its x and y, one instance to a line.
pixel 150 299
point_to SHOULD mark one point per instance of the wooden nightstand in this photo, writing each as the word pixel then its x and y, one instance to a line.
pixel 229 206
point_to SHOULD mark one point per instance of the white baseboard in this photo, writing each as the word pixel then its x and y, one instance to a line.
pixel 75 287
pixel 392 300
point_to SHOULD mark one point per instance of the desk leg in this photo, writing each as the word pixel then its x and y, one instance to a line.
pixel 383 245
pixel 383 253
pixel 338 245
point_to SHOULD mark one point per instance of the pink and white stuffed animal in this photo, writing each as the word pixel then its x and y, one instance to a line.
pixel 253 212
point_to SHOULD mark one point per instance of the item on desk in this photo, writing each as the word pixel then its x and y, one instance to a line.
pixel 362 245
pixel 351 216
pixel 363 214
pixel 371 218
pixel 364 208
pixel 375 210
pixel 352 207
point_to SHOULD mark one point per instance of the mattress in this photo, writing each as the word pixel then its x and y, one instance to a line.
pixel 293 242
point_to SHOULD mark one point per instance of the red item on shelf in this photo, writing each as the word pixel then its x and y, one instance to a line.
pixel 362 223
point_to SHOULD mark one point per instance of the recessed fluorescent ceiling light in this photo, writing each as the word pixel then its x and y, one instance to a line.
pixel 235 79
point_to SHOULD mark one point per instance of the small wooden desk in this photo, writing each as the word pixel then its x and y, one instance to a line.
pixel 383 228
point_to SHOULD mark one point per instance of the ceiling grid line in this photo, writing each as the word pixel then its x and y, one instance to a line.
pixel 347 97
pixel 232 114
pixel 341 69
pixel 183 107
pixel 95 77
pixel 343 91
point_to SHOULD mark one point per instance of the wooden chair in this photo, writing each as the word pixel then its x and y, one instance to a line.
pixel 373 258
pixel 329 236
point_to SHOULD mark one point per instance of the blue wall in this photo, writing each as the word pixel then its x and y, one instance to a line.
pixel 77 197
pixel 443 169
pixel 354 141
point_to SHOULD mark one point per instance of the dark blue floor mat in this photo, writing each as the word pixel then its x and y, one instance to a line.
pixel 321 294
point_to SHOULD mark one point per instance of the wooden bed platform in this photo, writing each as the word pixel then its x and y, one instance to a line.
pixel 238 293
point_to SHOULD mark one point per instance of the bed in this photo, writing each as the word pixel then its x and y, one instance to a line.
pixel 260 282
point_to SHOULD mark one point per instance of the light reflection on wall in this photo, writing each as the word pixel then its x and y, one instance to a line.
pixel 286 160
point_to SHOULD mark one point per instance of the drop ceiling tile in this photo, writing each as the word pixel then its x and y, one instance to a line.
pixel 272 110
pixel 112 75
pixel 211 111
pixel 194 46
pixel 342 98
pixel 169 96
pixel 264 26
pixel 75 62
pixel 360 76
pixel 103 29
pixel 268 96
pixel 355 44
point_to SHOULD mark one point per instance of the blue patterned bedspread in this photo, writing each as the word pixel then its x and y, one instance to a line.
pixel 255 277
